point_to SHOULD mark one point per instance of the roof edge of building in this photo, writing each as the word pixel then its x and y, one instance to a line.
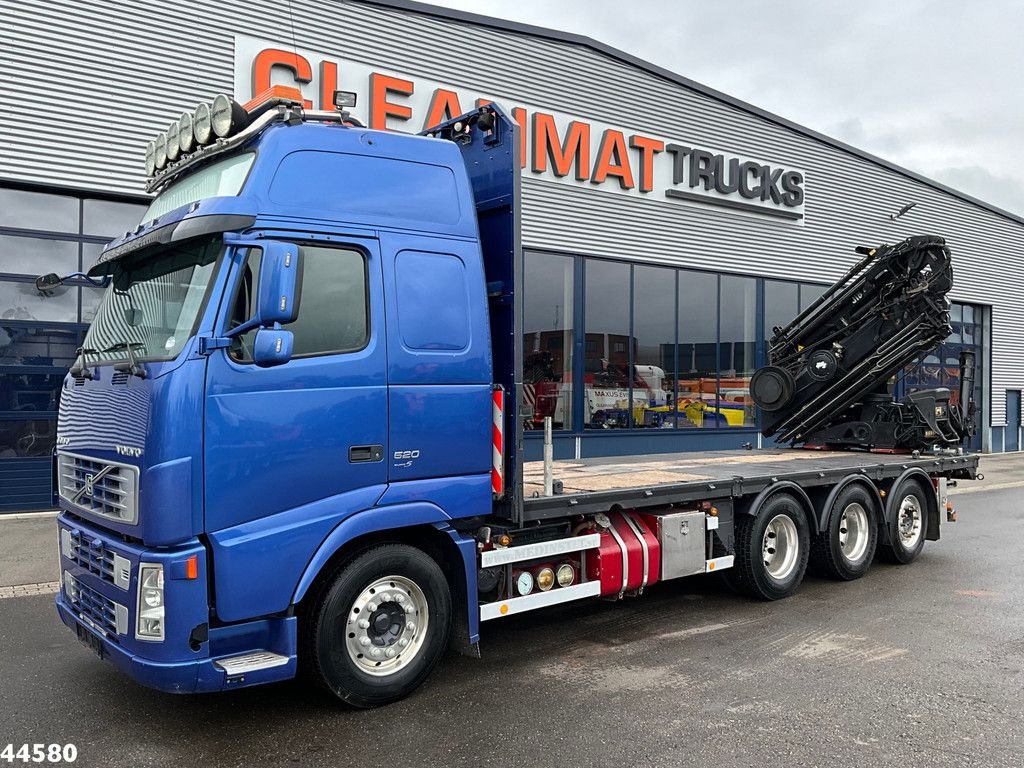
pixel 470 17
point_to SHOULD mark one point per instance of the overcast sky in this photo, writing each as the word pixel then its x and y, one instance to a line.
pixel 937 87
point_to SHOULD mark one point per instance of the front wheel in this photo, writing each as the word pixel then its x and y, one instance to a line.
pixel 380 628
pixel 910 524
pixel 772 549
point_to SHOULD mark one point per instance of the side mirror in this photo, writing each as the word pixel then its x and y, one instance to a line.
pixel 272 347
pixel 277 298
pixel 48 282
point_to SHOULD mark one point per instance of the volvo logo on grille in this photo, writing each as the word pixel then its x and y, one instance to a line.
pixel 127 450
pixel 89 485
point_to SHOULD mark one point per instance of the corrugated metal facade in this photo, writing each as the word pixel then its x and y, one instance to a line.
pixel 99 79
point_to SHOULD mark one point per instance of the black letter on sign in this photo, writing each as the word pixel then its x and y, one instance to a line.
pixel 750 193
pixel 794 194
pixel 734 175
pixel 701 168
pixel 769 182
pixel 679 153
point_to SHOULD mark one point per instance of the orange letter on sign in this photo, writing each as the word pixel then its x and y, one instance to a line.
pixel 444 105
pixel 382 86
pixel 519 115
pixel 613 160
pixel 648 147
pixel 574 149
pixel 269 58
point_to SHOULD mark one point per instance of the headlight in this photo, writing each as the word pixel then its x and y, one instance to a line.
pixel 160 151
pixel 227 116
pixel 202 128
pixel 186 139
pixel 545 579
pixel 565 574
pixel 150 158
pixel 149 622
pixel 173 150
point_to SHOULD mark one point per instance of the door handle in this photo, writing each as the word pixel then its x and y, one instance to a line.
pixel 360 454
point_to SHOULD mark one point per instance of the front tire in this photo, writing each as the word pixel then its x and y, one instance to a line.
pixel 381 626
pixel 845 549
pixel 772 549
pixel 910 523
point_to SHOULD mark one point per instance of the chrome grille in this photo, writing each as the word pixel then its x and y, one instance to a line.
pixel 102 487
pixel 98 611
pixel 93 555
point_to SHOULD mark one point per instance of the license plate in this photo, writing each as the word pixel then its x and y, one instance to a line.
pixel 91 641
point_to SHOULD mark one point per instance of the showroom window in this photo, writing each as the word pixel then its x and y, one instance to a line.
pixel 548 301
pixel 41 232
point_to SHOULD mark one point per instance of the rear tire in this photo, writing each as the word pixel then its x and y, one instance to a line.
pixel 380 627
pixel 845 548
pixel 771 549
pixel 910 524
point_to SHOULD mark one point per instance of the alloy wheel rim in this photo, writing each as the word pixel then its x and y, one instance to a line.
pixel 908 521
pixel 387 625
pixel 780 547
pixel 853 532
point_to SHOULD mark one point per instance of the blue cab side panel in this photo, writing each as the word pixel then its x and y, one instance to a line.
pixel 439 372
pixel 257 564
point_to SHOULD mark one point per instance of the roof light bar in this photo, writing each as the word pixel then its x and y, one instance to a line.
pixel 224 124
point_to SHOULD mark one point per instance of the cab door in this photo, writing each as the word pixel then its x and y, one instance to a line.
pixel 295 447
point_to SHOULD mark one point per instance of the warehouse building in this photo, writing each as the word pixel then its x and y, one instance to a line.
pixel 667 227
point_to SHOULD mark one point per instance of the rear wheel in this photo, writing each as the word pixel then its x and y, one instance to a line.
pixel 381 626
pixel 910 523
pixel 845 548
pixel 771 549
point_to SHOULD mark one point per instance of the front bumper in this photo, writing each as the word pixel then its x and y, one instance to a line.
pixel 102 613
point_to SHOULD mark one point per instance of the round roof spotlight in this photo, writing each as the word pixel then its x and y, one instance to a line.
pixel 202 127
pixel 173 150
pixel 160 151
pixel 151 158
pixel 227 116
pixel 186 139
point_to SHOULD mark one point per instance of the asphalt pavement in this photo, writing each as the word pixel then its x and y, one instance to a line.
pixel 919 665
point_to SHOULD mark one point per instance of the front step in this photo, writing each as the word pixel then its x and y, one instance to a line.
pixel 250 662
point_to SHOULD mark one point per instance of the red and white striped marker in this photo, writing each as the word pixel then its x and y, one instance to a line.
pixel 498 442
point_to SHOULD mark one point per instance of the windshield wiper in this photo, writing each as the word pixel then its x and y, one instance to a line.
pixel 81 367
pixel 132 366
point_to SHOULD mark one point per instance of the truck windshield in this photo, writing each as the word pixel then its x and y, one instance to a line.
pixel 221 179
pixel 153 303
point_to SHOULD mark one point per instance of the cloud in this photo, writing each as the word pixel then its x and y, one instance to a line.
pixel 1005 192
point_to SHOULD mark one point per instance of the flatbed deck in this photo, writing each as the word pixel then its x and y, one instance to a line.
pixel 593 485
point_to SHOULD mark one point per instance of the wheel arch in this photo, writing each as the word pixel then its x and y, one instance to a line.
pixel 754 506
pixel 828 497
pixel 930 500
pixel 421 525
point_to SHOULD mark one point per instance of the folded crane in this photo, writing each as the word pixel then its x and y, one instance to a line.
pixel 829 382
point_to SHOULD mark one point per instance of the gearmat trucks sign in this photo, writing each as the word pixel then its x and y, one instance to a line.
pixel 555 146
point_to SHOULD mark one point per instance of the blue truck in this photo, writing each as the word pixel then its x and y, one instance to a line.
pixel 292 440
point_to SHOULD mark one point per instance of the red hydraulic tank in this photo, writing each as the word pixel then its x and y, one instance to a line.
pixel 631 536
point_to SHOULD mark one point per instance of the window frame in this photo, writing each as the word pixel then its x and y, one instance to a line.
pixel 356 248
